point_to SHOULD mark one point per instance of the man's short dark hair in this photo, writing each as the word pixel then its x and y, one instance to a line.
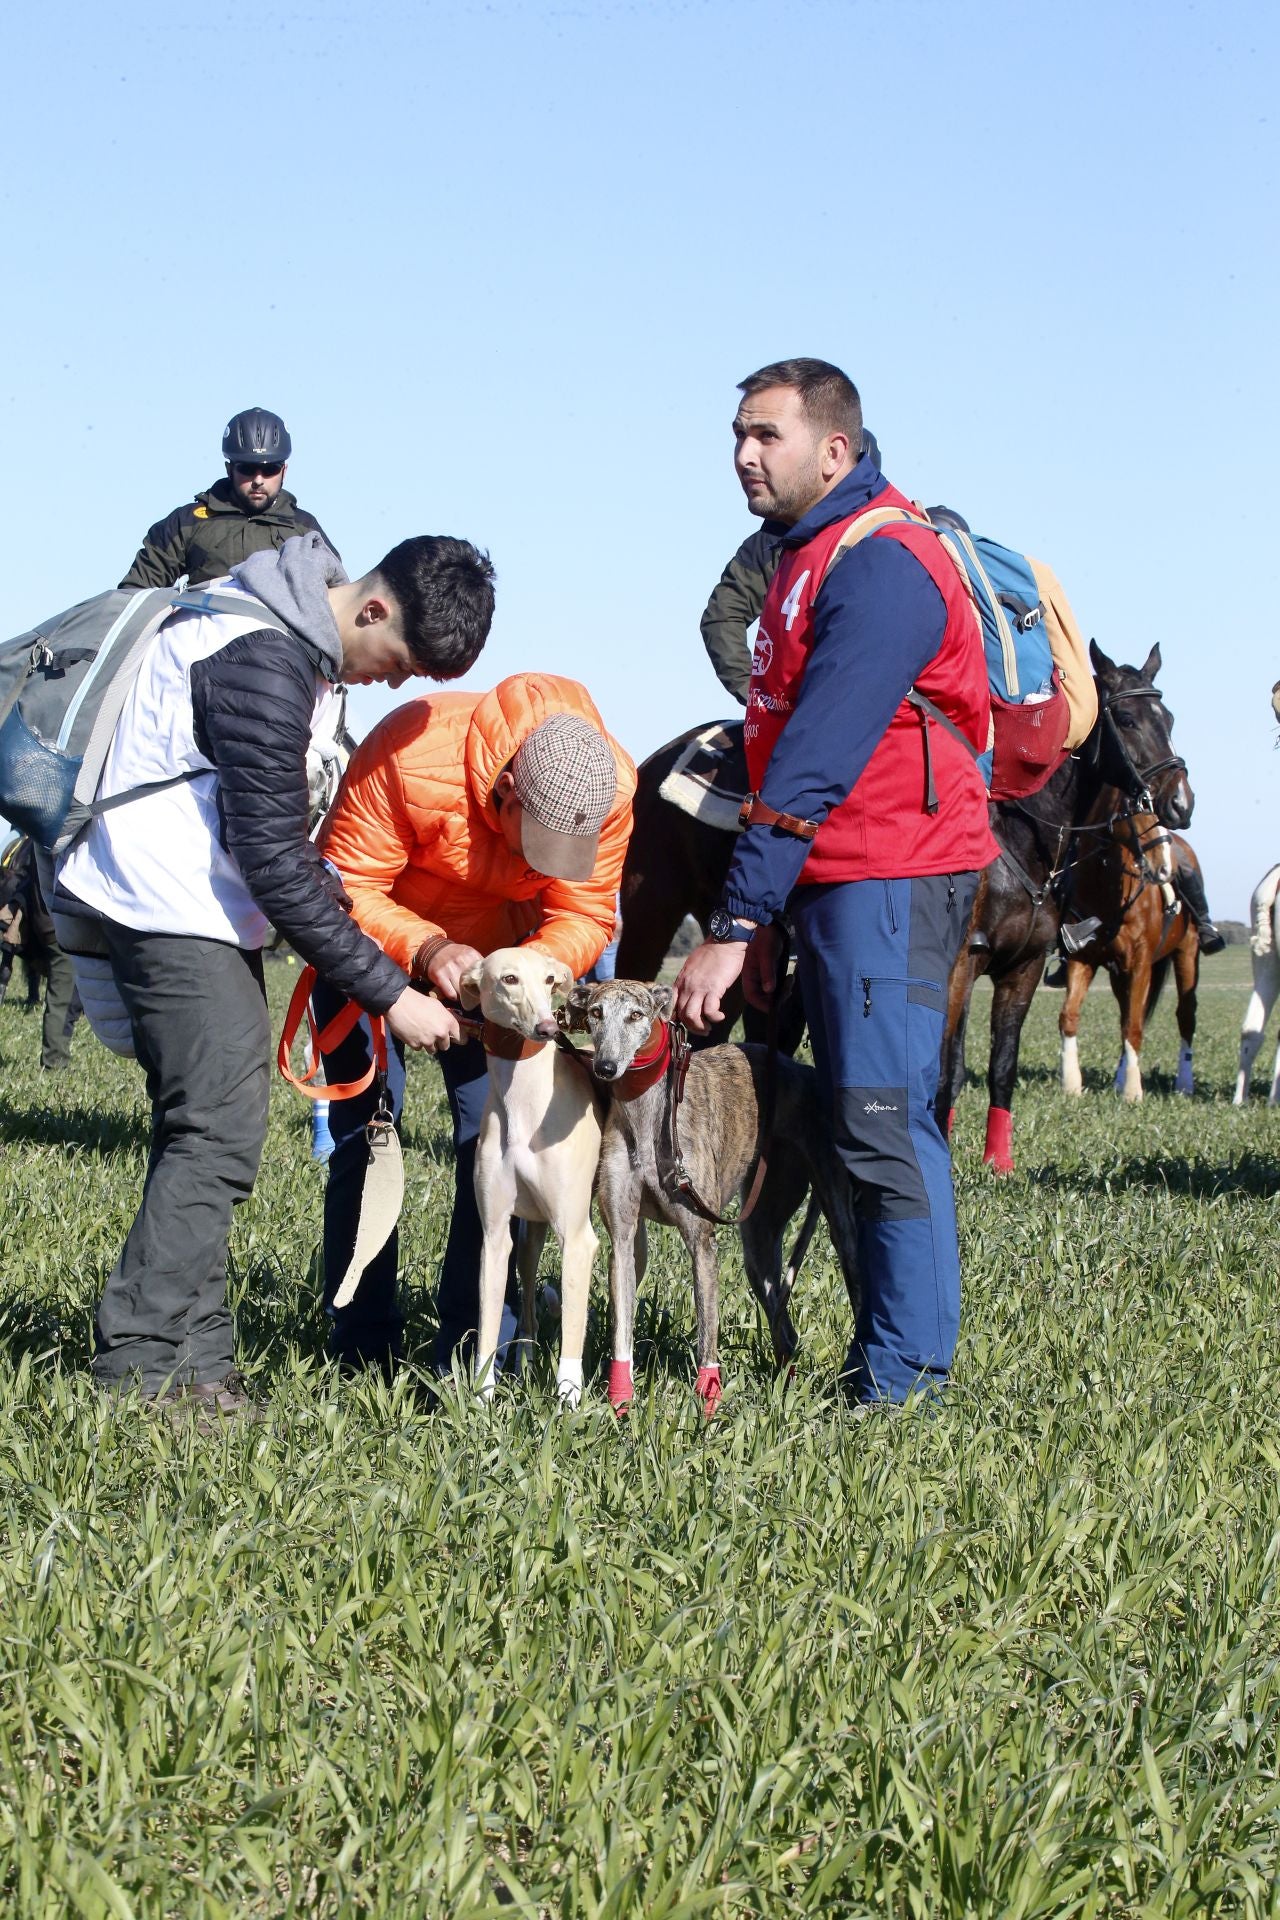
pixel 829 397
pixel 444 590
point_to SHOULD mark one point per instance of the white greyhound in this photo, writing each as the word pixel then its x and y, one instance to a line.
pixel 1264 942
pixel 536 1155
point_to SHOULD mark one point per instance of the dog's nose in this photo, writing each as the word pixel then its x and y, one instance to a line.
pixel 546 1029
pixel 604 1069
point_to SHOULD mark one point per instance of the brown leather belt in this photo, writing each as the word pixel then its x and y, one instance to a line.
pixel 754 811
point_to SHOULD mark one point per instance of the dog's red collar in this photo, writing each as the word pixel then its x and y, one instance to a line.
pixel 506 1045
pixel 648 1067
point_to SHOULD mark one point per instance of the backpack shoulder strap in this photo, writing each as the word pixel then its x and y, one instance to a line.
pixel 147 611
pixel 868 523
pixel 871 522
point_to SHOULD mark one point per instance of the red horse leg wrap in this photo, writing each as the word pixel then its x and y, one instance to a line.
pixel 707 1387
pixel 998 1152
pixel 621 1390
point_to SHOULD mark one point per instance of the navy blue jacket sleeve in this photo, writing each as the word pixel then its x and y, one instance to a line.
pixel 878 621
pixel 253 702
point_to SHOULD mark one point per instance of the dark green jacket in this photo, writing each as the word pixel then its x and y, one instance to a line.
pixel 735 603
pixel 212 534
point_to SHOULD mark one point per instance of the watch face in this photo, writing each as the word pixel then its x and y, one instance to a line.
pixel 719 924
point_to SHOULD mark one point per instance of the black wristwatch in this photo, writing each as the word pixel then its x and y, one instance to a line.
pixel 725 930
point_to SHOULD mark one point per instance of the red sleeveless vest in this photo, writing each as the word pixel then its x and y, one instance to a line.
pixel 883 830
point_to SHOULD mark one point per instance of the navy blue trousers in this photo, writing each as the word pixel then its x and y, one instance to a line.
pixel 873 958
pixel 369 1330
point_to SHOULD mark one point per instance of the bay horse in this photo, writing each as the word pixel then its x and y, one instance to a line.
pixel 1125 881
pixel 1019 906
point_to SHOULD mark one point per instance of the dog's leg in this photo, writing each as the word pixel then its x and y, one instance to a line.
pixel 578 1250
pixel 494 1260
pixel 784 1190
pixel 706 1300
pixel 495 1201
pixel 532 1237
pixel 628 1255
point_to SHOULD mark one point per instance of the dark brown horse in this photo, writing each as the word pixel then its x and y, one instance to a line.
pixel 1124 880
pixel 1127 766
pixel 676 865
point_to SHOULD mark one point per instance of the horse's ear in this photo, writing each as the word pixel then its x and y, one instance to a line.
pixel 1151 666
pixel 1101 665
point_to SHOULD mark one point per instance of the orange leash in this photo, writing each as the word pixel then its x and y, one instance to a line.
pixel 323 1040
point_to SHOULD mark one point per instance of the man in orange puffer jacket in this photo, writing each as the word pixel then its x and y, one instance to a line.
pixel 465 822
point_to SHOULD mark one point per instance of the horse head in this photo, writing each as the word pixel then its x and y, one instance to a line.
pixel 1136 752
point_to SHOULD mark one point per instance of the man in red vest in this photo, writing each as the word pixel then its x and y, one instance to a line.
pixel 867 707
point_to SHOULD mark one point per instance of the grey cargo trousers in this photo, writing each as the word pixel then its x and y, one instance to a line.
pixel 203 1037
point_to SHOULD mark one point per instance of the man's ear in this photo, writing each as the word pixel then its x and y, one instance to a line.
pixel 469 986
pixel 660 999
pixel 575 1006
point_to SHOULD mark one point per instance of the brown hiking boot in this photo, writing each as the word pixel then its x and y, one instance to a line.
pixel 213 1400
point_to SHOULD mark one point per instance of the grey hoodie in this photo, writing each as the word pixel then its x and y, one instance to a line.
pixel 292 584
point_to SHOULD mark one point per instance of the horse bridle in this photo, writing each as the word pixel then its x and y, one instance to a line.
pixel 1139 782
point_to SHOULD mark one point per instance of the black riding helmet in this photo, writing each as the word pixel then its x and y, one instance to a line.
pixel 256 435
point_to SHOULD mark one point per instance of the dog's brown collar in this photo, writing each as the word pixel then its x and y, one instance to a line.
pixel 648 1067
pixel 506 1045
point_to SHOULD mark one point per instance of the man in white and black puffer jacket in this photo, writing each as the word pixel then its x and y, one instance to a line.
pixel 185 882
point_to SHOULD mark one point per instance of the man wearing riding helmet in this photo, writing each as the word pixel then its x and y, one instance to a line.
pixel 250 511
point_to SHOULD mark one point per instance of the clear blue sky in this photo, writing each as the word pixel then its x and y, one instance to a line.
pixel 500 266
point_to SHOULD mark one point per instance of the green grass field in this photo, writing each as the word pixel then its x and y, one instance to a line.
pixel 367 1658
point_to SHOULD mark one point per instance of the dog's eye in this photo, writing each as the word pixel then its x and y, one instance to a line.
pixel 511 980
pixel 593 1013
pixel 636 1015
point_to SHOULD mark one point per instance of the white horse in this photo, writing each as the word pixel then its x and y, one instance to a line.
pixel 1264 943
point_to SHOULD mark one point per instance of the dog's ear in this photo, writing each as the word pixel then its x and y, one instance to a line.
pixel 469 986
pixel 564 977
pixel 660 999
pixel 575 1008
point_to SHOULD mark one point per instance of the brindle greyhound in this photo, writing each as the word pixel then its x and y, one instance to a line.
pixel 718 1127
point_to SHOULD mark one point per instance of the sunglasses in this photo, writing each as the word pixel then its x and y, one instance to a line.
pixel 246 469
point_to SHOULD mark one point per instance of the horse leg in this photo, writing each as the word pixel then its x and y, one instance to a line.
pixel 951 1068
pixel 1008 1014
pixel 1079 980
pixel 1266 984
pixel 1131 991
pixel 1186 974
pixel 652 913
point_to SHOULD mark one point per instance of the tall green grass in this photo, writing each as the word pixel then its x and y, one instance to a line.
pixel 369 1658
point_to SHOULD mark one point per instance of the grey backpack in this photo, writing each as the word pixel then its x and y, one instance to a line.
pixel 62 688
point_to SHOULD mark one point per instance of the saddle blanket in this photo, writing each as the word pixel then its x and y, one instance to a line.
pixel 709 780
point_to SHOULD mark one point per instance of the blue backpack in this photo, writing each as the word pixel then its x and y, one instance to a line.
pixel 62 688
pixel 1043 699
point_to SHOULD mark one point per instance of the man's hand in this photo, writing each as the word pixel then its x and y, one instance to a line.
pixel 760 975
pixel 422 1023
pixel 704 979
pixel 448 964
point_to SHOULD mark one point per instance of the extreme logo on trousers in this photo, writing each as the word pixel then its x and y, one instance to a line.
pixel 875 1106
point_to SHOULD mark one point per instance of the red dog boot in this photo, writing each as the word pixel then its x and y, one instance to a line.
pixel 621 1387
